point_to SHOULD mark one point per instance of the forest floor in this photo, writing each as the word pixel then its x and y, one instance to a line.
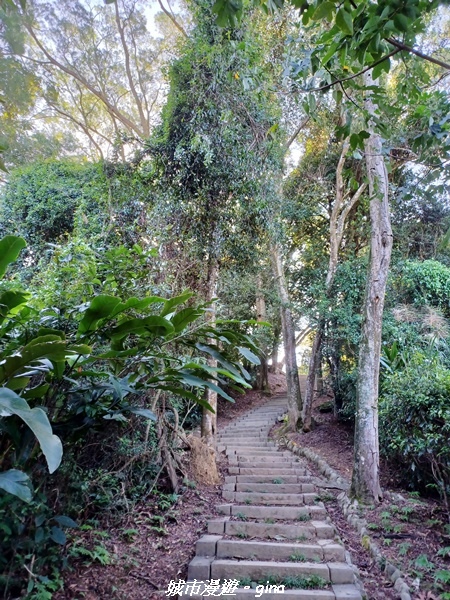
pixel 154 544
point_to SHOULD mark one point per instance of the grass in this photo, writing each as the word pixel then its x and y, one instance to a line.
pixel 304 517
pixel 297 557
pixel 241 516
pixel 310 582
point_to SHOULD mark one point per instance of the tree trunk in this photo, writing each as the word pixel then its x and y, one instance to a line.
pixel 262 380
pixel 209 419
pixel 310 380
pixel 288 329
pixel 343 204
pixel 365 480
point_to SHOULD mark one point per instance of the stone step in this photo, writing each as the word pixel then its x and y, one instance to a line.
pixel 265 465
pixel 247 447
pixel 256 451
pixel 272 471
pixel 257 442
pixel 275 457
pixel 310 530
pixel 269 498
pixel 281 488
pixel 223 568
pixel 279 513
pixel 250 427
pixel 280 551
pixel 272 592
pixel 289 479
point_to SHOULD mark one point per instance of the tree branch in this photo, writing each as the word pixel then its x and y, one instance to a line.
pixel 121 28
pixel 172 18
pixel 371 66
pixel 78 77
pixel 404 47
pixel 291 140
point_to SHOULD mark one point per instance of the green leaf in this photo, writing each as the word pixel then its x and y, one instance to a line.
pixel 37 421
pixel 218 371
pixel 65 521
pixel 10 247
pixel 154 324
pixel 401 22
pixel 344 21
pixel 58 535
pixel 178 391
pixel 49 331
pixel 16 483
pixel 330 53
pixel 249 355
pixel 170 304
pixel 228 11
pixel 325 10
pixel 101 307
pixel 47 346
pixel 144 412
pixel 198 382
pixel 184 317
pixel 137 304
pixel 11 302
pixel 37 392
pixel 380 68
pixel 214 352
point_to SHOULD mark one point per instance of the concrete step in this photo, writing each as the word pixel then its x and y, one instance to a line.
pixel 270 498
pixel 281 488
pixel 255 451
pixel 289 479
pixel 223 568
pixel 215 545
pixel 275 458
pixel 272 471
pixel 279 464
pixel 271 592
pixel 310 530
pixel 278 513
pixel 245 441
pixel 278 551
pixel 247 444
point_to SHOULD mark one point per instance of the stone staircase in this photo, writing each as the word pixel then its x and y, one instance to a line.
pixel 275 530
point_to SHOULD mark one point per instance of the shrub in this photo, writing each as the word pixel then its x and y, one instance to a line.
pixel 415 421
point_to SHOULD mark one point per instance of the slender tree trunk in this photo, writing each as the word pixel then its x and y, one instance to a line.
pixel 288 328
pixel 209 419
pixel 311 378
pixel 365 481
pixel 261 315
pixel 343 204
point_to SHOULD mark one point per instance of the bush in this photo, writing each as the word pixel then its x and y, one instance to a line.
pixel 415 421
pixel 426 282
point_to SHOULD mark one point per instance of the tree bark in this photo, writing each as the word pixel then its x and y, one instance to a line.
pixel 261 315
pixel 209 419
pixel 365 480
pixel 288 329
pixel 342 206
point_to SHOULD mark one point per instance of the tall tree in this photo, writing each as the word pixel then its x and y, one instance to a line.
pixel 99 69
pixel 216 153
pixel 362 37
